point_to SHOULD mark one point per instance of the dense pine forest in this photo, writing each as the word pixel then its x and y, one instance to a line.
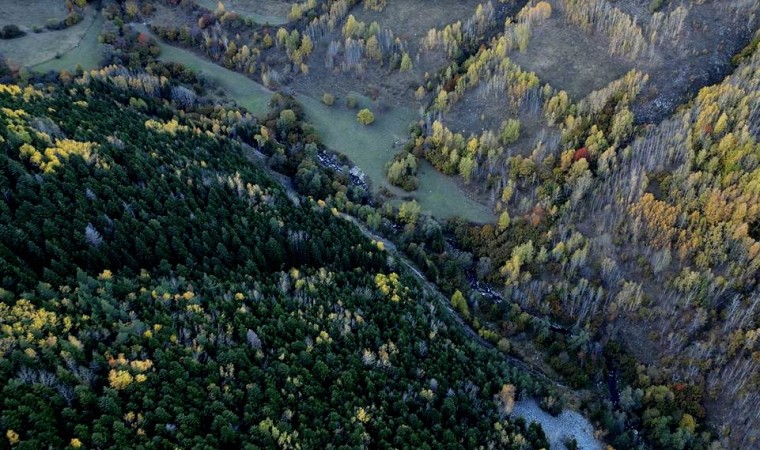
pixel 160 290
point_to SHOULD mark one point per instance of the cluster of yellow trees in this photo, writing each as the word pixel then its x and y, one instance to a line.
pixel 297 10
pixel 52 157
pixel 364 43
pixel 121 374
pixel 297 46
pixel 390 286
pixel 56 150
pixel 714 200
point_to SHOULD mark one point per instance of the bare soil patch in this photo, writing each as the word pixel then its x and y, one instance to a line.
pixel 477 111
pixel 169 17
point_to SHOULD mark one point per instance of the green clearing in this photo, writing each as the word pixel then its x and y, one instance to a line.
pixel 85 53
pixel 369 147
pixel 443 197
pixel 263 12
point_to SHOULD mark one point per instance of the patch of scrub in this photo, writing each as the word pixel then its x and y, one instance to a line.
pixel 85 53
pixel 246 92
pixel 407 20
pixel 273 12
pixel 569 59
pixel 371 147
pixel 568 425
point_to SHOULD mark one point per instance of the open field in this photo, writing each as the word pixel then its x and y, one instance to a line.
pixel 445 198
pixel 477 111
pixel 28 14
pixel 167 16
pixel 406 21
pixel 273 12
pixel 369 147
pixel 75 45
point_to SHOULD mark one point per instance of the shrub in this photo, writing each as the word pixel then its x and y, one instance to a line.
pixel 351 101
pixel 70 20
pixel 406 62
pixel 328 99
pixel 10 32
pixel 402 171
pixel 73 19
pixel 365 117
pixel 53 24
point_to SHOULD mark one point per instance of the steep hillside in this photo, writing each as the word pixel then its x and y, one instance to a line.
pixel 651 242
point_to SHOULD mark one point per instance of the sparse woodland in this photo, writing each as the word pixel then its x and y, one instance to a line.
pixel 651 239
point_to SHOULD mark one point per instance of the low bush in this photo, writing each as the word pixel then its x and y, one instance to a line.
pixel 11 32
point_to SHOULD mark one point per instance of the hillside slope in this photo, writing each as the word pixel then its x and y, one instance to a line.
pixel 160 290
